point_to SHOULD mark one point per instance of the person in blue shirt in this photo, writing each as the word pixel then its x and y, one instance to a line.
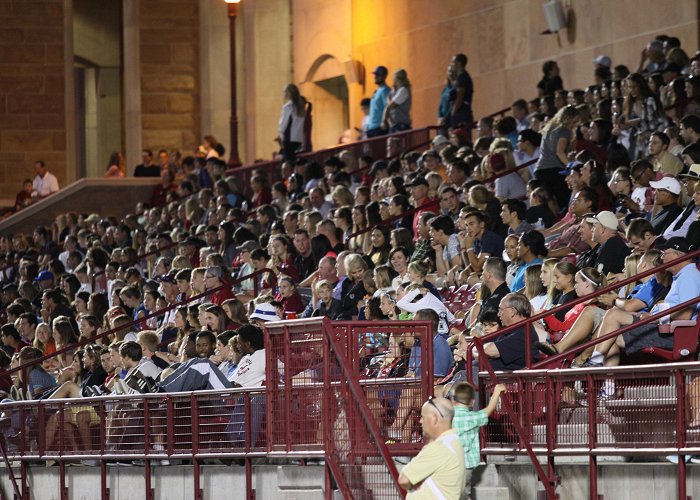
pixel 685 286
pixel 377 103
pixel 531 250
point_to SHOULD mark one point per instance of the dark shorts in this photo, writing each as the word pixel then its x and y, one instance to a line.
pixel 646 336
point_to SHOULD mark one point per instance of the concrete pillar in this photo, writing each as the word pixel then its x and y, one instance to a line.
pixel 132 84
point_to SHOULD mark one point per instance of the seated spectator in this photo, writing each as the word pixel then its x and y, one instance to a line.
pixel 513 216
pixel 263 313
pixel 216 284
pixel 250 371
pixel 508 352
pixel 445 242
pixel 542 210
pixel 563 279
pixel 327 306
pixel 24 197
pixel 582 319
pixel 531 251
pixel 611 248
pixel 289 296
pixel 686 286
pixel 509 186
pixel 477 242
pixel 666 195
pixel 681 225
pixel 584 202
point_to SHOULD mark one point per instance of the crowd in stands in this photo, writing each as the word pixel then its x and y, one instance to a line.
pixel 611 188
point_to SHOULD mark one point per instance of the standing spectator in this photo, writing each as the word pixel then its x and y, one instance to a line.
pixel 377 103
pixel 556 142
pixel 438 470
pixel 147 168
pixel 461 97
pixel 642 113
pixel 291 124
pixel 45 182
pixel 551 81
pixel 467 423
pixel 115 166
pixel 444 107
pixel 397 114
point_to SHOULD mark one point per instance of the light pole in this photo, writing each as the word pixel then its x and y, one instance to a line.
pixel 234 159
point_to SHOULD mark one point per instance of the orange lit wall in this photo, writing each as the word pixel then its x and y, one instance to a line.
pixel 501 38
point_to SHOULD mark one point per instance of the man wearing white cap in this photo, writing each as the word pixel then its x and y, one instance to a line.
pixel 602 60
pixel 612 249
pixel 680 226
pixel 263 313
pixel 666 193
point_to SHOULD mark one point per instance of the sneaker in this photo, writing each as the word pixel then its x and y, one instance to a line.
pixel 695 459
pixel 402 460
pixel 591 364
pixel 674 459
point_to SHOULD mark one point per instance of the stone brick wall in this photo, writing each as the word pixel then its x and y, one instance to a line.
pixel 170 74
pixel 32 105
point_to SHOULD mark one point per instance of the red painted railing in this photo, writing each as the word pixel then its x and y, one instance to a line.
pixel 524 407
pixel 316 403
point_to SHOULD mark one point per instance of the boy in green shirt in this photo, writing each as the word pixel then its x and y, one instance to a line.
pixel 467 422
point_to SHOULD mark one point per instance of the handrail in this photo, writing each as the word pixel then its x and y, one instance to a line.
pixel 510 171
pixel 138 258
pixel 359 395
pixel 412 148
pixel 388 221
pixel 154 314
pixel 528 321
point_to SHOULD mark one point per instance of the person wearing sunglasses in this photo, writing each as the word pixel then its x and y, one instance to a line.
pixel 438 470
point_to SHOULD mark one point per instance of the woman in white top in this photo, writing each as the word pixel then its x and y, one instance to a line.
pixel 291 126
pixel 397 114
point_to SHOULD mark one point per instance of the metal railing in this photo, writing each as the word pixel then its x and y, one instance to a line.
pixel 316 402
pixel 531 401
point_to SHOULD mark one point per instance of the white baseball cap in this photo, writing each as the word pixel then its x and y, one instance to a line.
pixel 670 184
pixel 603 60
pixel 605 219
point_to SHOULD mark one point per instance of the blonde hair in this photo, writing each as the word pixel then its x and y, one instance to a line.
pixel 564 118
pixel 434 183
pixel 631 263
pixel 549 264
pixel 533 283
pixel 342 195
pixel 324 284
pixel 355 262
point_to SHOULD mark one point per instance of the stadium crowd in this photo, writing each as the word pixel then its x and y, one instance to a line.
pixel 611 188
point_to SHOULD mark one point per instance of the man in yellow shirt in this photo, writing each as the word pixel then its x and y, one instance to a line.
pixel 437 472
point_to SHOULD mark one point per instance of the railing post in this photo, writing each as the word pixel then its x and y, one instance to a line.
pixel 680 430
pixel 592 437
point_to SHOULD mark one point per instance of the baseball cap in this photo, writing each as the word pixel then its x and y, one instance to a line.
pixel 44 276
pixel 166 278
pixel 677 243
pixel 417 181
pixel 572 165
pixel 381 70
pixel 265 312
pixel 693 172
pixel 439 140
pixel 247 246
pixel 669 184
pixel 603 60
pixel 605 219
